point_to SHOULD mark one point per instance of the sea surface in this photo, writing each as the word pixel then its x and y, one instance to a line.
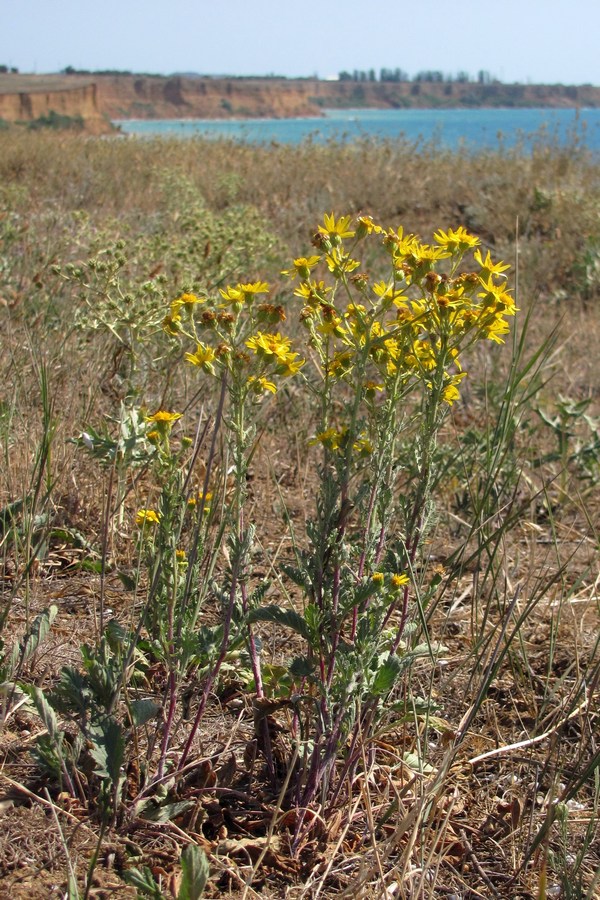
pixel 450 128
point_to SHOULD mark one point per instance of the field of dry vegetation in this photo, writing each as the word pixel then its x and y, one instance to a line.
pixel 473 771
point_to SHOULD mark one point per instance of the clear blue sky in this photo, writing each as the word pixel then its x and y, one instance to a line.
pixel 514 40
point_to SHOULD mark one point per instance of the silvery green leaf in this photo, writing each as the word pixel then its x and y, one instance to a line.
pixel 143 881
pixel 195 873
pixel 167 811
pixel 143 711
pixel 288 617
pixel 386 676
pixel 108 749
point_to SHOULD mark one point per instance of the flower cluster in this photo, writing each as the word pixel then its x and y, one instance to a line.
pixel 225 328
pixel 411 324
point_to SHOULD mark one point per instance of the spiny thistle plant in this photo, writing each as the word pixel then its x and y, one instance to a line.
pixel 382 358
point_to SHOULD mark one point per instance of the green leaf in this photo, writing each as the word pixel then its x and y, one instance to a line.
pixel 143 711
pixel 43 709
pixel 194 865
pixel 129 582
pixel 258 594
pixel 302 667
pixel 298 576
pixel 386 676
pixel 417 764
pixel 89 565
pixel 143 881
pixel 288 617
pixel 167 811
pixel 108 749
pixel 313 619
pixel 38 631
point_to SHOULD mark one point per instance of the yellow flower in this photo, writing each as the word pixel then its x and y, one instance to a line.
pixel 244 292
pixel 290 365
pixel 459 240
pixel 172 324
pixel 332 322
pixel 451 392
pixel 422 356
pixel 203 358
pixel 340 364
pixel 336 230
pixel 340 263
pixel 366 225
pixel 275 348
pixel 372 388
pixel 163 422
pixel 302 267
pixel 312 291
pixel 494 330
pixel 332 439
pixel 205 500
pixel 389 293
pixel 265 344
pixel 377 577
pixel 261 384
pixel 401 247
pixel 363 446
pixel 162 417
pixel 494 296
pixel 145 517
pixel 356 314
pixel 398 581
pixel 185 301
pixel 488 267
pixel 424 255
pixel 256 287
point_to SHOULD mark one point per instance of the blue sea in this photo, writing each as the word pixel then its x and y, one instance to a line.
pixel 449 128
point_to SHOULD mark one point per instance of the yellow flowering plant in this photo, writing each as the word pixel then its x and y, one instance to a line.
pixel 387 358
pixel 387 361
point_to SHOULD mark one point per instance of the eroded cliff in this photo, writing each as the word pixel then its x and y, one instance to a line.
pixel 27 98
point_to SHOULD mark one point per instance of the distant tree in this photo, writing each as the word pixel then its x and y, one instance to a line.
pixel 393 75
pixel 344 76
pixel 372 76
pixel 429 76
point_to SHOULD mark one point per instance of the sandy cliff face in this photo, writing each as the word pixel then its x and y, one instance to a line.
pixel 24 99
pixel 145 97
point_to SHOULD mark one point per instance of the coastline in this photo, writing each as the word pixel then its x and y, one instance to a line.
pixel 93 101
